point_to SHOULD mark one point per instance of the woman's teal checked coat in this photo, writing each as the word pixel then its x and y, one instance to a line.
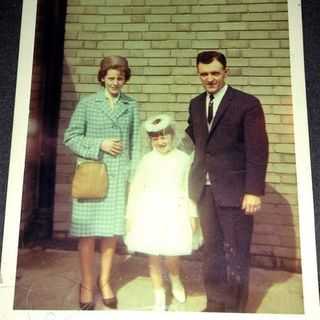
pixel 93 121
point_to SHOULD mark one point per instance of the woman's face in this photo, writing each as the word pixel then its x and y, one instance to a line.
pixel 114 80
pixel 162 143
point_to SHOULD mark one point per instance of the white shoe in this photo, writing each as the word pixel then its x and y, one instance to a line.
pixel 178 290
pixel 159 300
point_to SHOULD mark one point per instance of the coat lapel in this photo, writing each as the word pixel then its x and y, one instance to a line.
pixel 224 104
pixel 122 107
pixel 104 105
pixel 202 114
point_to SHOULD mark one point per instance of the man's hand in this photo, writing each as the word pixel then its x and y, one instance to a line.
pixel 112 146
pixel 251 204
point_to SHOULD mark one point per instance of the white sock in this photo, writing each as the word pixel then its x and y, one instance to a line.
pixel 159 299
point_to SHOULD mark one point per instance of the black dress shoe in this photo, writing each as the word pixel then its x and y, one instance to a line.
pixel 111 303
pixel 214 307
pixel 85 306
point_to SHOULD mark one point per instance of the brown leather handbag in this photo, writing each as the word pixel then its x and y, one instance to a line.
pixel 90 180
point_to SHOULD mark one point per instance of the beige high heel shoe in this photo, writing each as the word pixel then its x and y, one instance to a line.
pixel 112 302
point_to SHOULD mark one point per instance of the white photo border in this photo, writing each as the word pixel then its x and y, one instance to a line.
pixel 17 156
pixel 303 162
pixel 16 173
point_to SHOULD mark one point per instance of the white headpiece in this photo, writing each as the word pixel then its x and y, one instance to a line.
pixel 158 123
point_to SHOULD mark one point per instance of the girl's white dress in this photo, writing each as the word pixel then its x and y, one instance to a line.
pixel 159 209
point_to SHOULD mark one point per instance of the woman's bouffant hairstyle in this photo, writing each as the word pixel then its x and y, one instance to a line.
pixel 113 62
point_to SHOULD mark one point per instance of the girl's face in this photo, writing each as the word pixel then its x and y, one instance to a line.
pixel 162 143
pixel 114 80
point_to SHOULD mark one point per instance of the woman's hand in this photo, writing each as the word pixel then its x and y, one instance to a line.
pixel 112 146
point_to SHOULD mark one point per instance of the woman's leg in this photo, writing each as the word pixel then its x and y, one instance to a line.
pixel 86 255
pixel 173 265
pixel 107 249
pixel 157 282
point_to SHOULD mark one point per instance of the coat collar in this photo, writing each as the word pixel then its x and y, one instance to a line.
pixel 104 104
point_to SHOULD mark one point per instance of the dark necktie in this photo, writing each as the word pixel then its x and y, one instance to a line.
pixel 210 109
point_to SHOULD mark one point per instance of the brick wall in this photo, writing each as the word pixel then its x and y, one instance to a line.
pixel 161 40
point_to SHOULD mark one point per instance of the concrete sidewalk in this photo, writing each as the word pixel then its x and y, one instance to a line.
pixel 49 279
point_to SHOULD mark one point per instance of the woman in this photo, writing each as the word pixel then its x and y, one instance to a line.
pixel 104 126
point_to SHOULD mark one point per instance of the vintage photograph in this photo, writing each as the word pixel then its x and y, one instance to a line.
pixel 182 113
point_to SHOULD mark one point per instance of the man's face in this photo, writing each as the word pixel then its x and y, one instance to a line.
pixel 212 76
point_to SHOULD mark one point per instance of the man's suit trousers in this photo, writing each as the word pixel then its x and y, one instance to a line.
pixel 227 235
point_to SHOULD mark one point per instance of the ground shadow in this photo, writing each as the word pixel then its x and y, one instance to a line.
pixel 275 245
pixel 51 277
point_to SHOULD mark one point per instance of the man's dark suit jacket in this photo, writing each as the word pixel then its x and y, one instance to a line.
pixel 234 152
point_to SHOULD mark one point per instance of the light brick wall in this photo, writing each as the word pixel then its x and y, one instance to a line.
pixel 161 40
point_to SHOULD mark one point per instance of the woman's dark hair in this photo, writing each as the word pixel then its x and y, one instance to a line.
pixel 113 62
pixel 207 57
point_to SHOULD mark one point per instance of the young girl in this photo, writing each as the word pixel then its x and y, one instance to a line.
pixel 161 219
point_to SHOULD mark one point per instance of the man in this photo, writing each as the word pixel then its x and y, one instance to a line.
pixel 227 179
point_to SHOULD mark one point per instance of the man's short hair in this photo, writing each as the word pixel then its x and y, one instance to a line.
pixel 207 57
